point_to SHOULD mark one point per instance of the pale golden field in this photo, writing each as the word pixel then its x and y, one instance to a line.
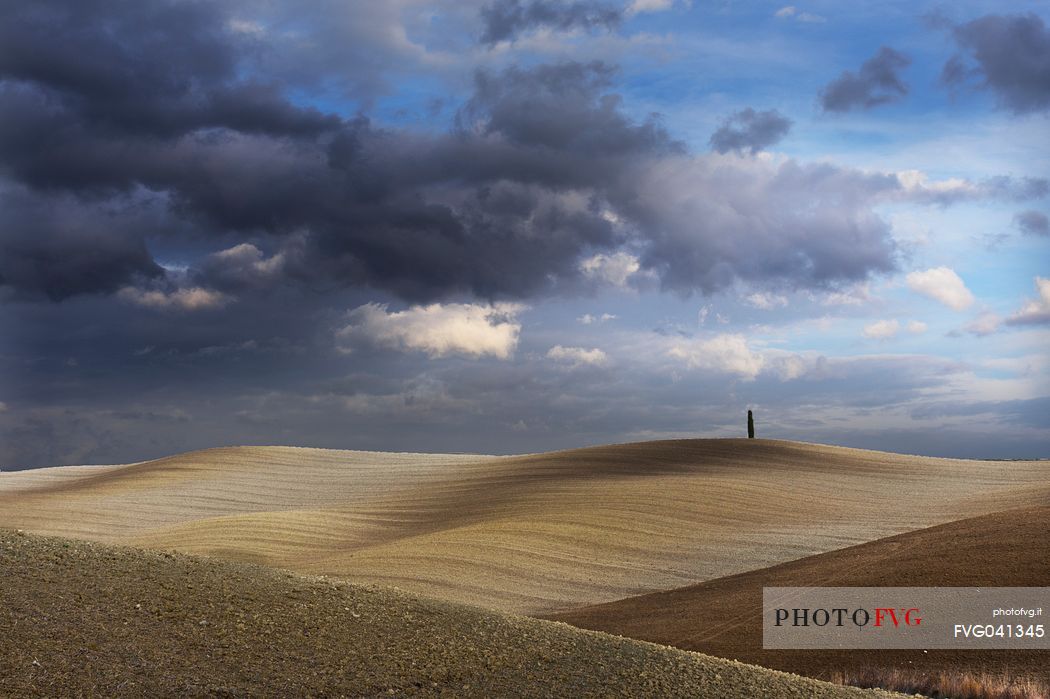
pixel 526 534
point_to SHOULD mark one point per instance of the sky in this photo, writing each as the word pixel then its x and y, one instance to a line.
pixel 511 226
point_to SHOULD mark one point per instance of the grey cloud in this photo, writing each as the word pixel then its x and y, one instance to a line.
pixel 866 382
pixel 1022 189
pixel 131 69
pixel 802 226
pixel 975 440
pixel 1032 412
pixel 260 108
pixel 1009 55
pixel 541 169
pixel 1033 314
pixel 1003 188
pixel 244 267
pixel 158 132
pixel 374 401
pixel 877 82
pixel 505 19
pixel 563 109
pixel 60 247
pixel 162 69
pixel 750 130
pixel 423 215
pixel 503 206
pixel 1033 222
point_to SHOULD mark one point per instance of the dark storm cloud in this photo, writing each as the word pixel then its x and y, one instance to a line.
pixel 57 247
pixel 541 163
pixel 505 19
pixel 158 69
pixel 1009 55
pixel 356 205
pixel 132 64
pixel 563 111
pixel 877 82
pixel 748 130
pixel 422 215
pixel 542 169
pixel 501 206
pixel 1033 222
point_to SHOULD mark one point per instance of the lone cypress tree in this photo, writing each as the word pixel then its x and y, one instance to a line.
pixel 750 425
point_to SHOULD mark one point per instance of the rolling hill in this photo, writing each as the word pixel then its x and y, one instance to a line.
pixel 723 617
pixel 529 534
pixel 83 619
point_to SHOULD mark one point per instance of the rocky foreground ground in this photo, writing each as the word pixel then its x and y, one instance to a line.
pixel 84 619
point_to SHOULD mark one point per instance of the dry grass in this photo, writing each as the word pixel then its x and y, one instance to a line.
pixel 525 534
pixel 949 685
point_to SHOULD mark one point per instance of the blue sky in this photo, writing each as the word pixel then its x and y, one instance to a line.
pixel 517 226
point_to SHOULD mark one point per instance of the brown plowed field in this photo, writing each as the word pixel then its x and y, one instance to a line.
pixel 723 617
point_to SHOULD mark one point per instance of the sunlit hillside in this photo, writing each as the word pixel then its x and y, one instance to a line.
pixel 527 534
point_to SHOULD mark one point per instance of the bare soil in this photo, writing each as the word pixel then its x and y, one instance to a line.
pixel 723 617
pixel 86 619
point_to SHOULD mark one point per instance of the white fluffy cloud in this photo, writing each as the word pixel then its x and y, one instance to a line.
pixel 640 6
pixel 882 329
pixel 1034 311
pixel 589 319
pixel 189 299
pixel 728 353
pixel 577 356
pixel 917 186
pixel 766 301
pixel 857 295
pixel 439 330
pixel 917 327
pixel 788 366
pixel 614 269
pixel 916 183
pixel 792 12
pixel 941 284
pixel 886 329
pixel 985 324
pixel 248 258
